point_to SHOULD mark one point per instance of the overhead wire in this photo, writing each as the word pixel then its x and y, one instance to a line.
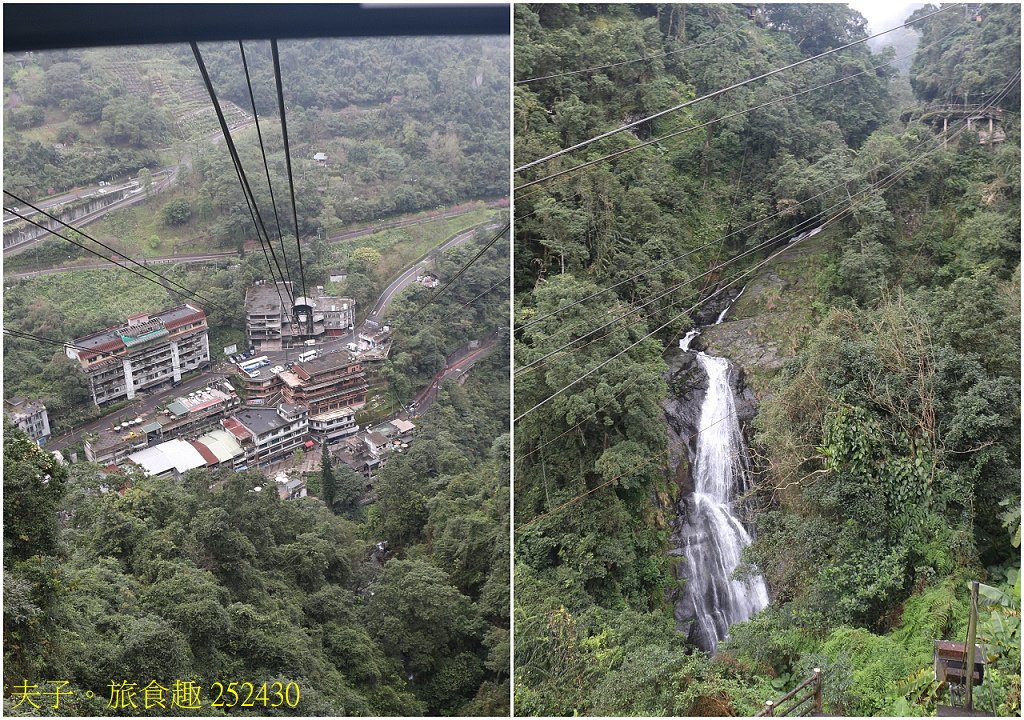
pixel 680 256
pixel 568 328
pixel 464 268
pixel 677 317
pixel 632 380
pixel 700 302
pixel 266 165
pixel 40 339
pixel 789 245
pixel 646 336
pixel 724 90
pixel 477 297
pixel 629 62
pixel 287 156
pixel 580 497
pixel 250 198
pixel 187 291
pixel 636 308
pixel 684 131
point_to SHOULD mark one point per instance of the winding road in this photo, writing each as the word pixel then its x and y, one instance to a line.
pixel 213 258
pixel 408 277
pixel 146 402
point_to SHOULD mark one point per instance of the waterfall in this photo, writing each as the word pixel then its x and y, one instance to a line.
pixel 712 537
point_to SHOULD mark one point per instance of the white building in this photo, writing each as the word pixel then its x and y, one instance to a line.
pixel 30 416
pixel 333 425
pixel 268 435
pixel 144 353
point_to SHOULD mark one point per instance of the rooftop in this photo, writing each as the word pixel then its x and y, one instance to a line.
pixel 334 414
pixel 289 410
pixel 377 438
pixel 208 456
pixel 108 439
pixel 23 406
pixel 324 363
pixel 260 421
pixel 111 337
pixel 264 299
pixel 385 428
pixel 200 400
pixel 236 429
pixel 173 454
pixel 290 379
pixel 403 426
pixel 222 445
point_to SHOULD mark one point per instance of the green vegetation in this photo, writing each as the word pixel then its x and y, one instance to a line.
pixel 408 125
pixel 178 212
pixel 475 307
pixel 371 262
pixel 887 437
pixel 170 580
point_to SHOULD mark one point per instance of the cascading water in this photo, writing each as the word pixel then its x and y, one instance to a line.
pixel 712 537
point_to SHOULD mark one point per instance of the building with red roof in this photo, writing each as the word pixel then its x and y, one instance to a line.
pixel 146 352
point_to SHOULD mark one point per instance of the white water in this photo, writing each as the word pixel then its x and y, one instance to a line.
pixel 714 538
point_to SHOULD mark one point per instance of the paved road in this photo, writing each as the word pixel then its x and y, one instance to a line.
pixel 78 193
pixel 426 398
pixel 143 404
pixel 157 187
pixel 408 277
pixel 200 259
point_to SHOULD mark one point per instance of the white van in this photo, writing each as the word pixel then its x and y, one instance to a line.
pixel 310 343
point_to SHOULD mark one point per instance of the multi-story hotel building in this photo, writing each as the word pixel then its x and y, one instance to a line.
pixel 267 435
pixel 146 352
pixel 333 425
pixel 326 383
pixel 30 416
pixel 275 319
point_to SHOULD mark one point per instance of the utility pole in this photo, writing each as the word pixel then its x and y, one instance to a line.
pixel 972 627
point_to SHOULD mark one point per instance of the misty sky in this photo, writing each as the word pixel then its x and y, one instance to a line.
pixel 883 15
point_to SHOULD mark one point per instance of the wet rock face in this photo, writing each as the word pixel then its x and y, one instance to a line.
pixel 687 386
pixel 739 341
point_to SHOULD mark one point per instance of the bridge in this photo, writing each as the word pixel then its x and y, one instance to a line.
pixel 983 118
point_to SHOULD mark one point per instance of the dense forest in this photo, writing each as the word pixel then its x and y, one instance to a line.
pixel 407 124
pixel 883 353
pixel 118 577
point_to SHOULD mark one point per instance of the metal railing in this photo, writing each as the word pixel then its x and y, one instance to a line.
pixel 788 704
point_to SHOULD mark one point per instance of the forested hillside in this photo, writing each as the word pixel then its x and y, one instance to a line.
pixel 110 577
pixel 407 124
pixel 883 354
